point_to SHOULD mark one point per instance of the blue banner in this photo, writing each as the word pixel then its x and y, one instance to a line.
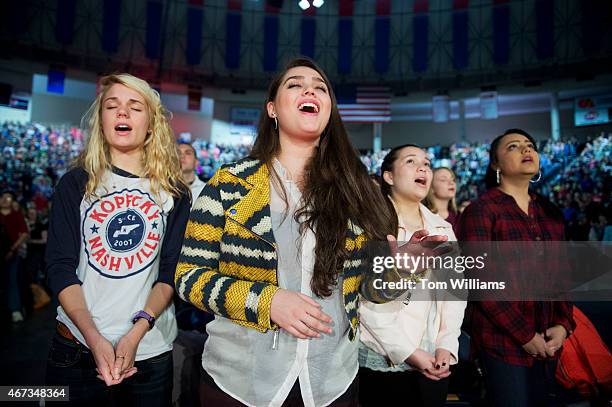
pixel 153 35
pixel 110 25
pixel 420 30
pixel 270 42
pixel 460 39
pixel 307 44
pixel 194 35
pixel 64 21
pixel 545 28
pixel 501 34
pixel 593 22
pixel 381 48
pixel 345 45
pixel 55 82
pixel 232 40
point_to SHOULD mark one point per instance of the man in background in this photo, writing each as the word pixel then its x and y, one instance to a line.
pixel 189 162
pixel 189 344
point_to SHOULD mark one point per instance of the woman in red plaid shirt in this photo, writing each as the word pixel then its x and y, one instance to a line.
pixel 518 343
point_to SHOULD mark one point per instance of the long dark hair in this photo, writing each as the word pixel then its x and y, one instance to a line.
pixel 490 176
pixel 337 188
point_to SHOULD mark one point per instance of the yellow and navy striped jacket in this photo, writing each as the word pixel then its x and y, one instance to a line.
pixel 228 262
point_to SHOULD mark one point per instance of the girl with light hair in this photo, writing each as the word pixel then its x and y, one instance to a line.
pixel 441 196
pixel 115 233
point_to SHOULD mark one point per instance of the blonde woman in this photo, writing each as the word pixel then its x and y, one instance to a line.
pixel 441 196
pixel 115 234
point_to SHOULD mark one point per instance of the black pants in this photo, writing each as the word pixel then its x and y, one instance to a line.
pixel 519 386
pixel 386 388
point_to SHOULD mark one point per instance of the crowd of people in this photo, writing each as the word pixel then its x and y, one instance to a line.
pixel 211 156
pixel 276 247
pixel 34 157
pixel 576 175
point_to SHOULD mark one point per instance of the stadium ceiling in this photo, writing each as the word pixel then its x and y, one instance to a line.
pixel 418 45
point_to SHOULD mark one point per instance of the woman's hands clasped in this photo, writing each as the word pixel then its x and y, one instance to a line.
pixel 117 364
pixel 544 345
pixel 434 367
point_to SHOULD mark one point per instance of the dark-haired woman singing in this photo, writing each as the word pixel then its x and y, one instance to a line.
pixel 275 249
pixel 518 342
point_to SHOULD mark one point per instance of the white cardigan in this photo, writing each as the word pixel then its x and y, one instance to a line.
pixel 396 329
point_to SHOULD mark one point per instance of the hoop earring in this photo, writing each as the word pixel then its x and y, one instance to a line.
pixel 497 175
pixel 539 178
pixel 275 123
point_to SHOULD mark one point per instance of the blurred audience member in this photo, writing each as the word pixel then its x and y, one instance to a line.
pixel 14 222
pixel 441 196
pixel 189 160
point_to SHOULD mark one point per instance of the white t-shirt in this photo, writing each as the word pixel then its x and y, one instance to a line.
pixel 117 246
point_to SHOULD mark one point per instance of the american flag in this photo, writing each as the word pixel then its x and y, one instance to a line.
pixel 364 104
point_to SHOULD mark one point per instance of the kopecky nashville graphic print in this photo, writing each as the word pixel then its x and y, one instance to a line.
pixel 122 232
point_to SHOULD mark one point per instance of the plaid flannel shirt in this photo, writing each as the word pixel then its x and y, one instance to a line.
pixel 501 328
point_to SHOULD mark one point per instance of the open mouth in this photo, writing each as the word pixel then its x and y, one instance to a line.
pixel 527 160
pixel 122 128
pixel 308 107
pixel 421 181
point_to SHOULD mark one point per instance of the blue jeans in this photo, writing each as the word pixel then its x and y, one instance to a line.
pixel 519 386
pixel 71 364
